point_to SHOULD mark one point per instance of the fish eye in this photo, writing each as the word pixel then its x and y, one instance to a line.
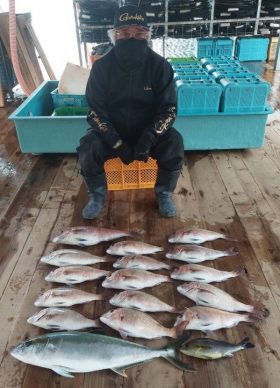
pixel 28 343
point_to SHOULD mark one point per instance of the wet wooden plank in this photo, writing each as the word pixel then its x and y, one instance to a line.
pixel 59 207
pixel 258 217
pixel 18 220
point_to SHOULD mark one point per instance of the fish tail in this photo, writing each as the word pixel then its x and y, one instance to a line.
pixel 229 238
pixel 238 272
pixel 178 311
pixel 246 344
pixel 108 259
pixel 172 351
pixel 232 252
pixel 179 326
pixel 252 318
pixel 99 297
pixel 259 309
pixel 168 279
pixel 135 235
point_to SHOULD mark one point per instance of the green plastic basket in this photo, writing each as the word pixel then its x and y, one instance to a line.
pixel 183 59
pixel 71 111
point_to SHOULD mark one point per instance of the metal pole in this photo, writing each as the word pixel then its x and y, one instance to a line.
pixel 258 17
pixel 277 56
pixel 77 32
pixel 165 28
pixel 212 18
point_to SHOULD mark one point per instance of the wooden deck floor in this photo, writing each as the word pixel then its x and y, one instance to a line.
pixel 237 192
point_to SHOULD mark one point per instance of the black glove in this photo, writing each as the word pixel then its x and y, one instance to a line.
pixel 144 145
pixel 125 153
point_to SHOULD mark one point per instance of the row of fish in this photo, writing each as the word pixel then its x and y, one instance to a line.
pixel 131 278
pixel 87 235
pixel 95 352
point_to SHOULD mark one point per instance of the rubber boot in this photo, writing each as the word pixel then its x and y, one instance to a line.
pixel 166 206
pixel 95 204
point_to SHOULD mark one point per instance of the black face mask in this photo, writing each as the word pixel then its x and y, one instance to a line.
pixel 131 52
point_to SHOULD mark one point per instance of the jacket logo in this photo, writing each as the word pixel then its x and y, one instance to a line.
pixel 146 87
pixel 125 17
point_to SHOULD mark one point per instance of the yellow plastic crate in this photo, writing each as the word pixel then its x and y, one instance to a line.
pixel 136 175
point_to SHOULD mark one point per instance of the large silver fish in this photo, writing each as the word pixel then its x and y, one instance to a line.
pixel 65 297
pixel 130 247
pixel 92 352
pixel 84 236
pixel 133 279
pixel 210 349
pixel 140 262
pixel 210 319
pixel 196 236
pixel 200 273
pixel 196 254
pixel 211 296
pixel 133 323
pixel 75 274
pixel 54 318
pixel 66 257
pixel 142 301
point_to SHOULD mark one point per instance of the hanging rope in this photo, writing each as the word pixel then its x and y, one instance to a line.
pixel 13 47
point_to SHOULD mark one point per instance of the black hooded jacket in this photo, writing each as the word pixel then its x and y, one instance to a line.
pixel 124 103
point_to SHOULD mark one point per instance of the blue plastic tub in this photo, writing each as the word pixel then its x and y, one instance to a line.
pixel 221 131
pixel 39 132
pixel 251 48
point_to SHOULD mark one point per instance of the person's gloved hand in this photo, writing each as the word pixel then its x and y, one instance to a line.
pixel 125 153
pixel 144 145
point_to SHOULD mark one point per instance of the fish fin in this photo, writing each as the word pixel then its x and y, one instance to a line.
pixel 178 343
pixel 246 344
pixel 199 279
pixel 70 280
pixel 229 355
pixel 131 288
pixel 203 301
pixel 174 348
pixel 120 372
pixel 232 252
pixel 123 334
pixel 174 360
pixel 62 371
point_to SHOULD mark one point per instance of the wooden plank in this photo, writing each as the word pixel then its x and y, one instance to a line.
pixel 2 99
pixel 59 206
pixel 265 357
pixel 40 50
pixel 53 217
pixel 266 176
pixel 259 219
